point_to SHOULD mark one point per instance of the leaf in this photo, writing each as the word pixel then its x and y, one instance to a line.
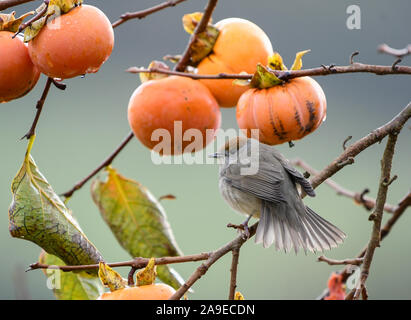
pixel 144 76
pixel 241 82
pixel 8 22
pixel 111 278
pixel 238 296
pixel 137 220
pixel 147 276
pixel 298 62
pixel 275 62
pixel 62 6
pixel 191 20
pixel 37 214
pixel 72 286
pixel 264 79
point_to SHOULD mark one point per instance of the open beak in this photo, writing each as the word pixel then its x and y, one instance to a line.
pixel 216 155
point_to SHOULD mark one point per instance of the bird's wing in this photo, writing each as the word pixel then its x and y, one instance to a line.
pixel 297 177
pixel 265 184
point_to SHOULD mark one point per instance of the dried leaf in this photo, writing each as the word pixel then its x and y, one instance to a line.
pixel 298 62
pixel 144 77
pixel 147 276
pixel 62 6
pixel 241 82
pixel 111 278
pixel 191 20
pixel 37 214
pixel 264 79
pixel 275 62
pixel 137 220
pixel 33 30
pixel 8 22
pixel 70 285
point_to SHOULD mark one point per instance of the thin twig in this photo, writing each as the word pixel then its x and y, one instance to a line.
pixel 5 4
pixel 39 108
pixel 358 197
pixel 332 262
pixel 38 16
pixel 144 13
pixel 104 164
pixel 233 271
pixel 201 27
pixel 386 164
pixel 399 53
pixel 136 263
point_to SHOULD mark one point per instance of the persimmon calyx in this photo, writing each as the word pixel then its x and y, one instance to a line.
pixel 8 21
pixel 205 41
pixel 265 77
pixel 111 278
pixel 145 76
pixel 55 8
pixel 147 276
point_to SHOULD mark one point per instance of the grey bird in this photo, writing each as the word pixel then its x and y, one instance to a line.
pixel 271 195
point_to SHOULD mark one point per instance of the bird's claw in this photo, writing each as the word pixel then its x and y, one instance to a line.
pixel 242 228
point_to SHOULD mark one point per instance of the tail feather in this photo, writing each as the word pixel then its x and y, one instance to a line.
pixel 288 229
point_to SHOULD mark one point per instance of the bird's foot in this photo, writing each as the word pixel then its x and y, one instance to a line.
pixel 243 228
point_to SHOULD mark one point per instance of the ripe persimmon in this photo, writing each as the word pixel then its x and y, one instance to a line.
pixel 73 44
pixel 18 75
pixel 167 103
pixel 284 112
pixel 157 291
pixel 240 46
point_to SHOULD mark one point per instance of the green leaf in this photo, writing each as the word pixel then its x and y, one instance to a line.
pixel 37 214
pixel 137 220
pixel 72 286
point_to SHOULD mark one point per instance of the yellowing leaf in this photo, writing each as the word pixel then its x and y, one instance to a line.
pixel 263 78
pixel 298 62
pixel 37 214
pixel 275 62
pixel 111 278
pixel 8 22
pixel 62 6
pixel 147 276
pixel 70 285
pixel 241 82
pixel 144 77
pixel 191 20
pixel 238 296
pixel 137 220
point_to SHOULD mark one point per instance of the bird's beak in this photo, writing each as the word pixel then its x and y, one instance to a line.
pixel 216 155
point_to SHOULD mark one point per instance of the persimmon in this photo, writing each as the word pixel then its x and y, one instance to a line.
pixel 240 46
pixel 283 113
pixel 18 75
pixel 161 104
pixel 73 44
pixel 158 291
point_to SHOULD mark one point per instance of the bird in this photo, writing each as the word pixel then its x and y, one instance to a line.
pixel 270 194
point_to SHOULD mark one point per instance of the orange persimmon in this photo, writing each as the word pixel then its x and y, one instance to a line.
pixel 73 44
pixel 169 103
pixel 283 112
pixel 18 75
pixel 157 291
pixel 240 46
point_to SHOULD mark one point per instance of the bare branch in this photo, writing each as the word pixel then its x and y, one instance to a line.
pixel 5 4
pixel 202 25
pixel 358 197
pixel 144 13
pixel 332 262
pixel 233 271
pixel 386 164
pixel 104 164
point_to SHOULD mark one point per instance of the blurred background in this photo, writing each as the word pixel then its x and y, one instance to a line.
pixel 81 126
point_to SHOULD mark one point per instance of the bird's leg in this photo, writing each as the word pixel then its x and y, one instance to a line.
pixel 243 227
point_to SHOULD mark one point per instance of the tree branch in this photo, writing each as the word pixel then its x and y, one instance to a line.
pixel 358 197
pixel 39 108
pixel 5 4
pixel 104 164
pixel 233 271
pixel 144 13
pixel 332 262
pixel 185 59
pixel 386 164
